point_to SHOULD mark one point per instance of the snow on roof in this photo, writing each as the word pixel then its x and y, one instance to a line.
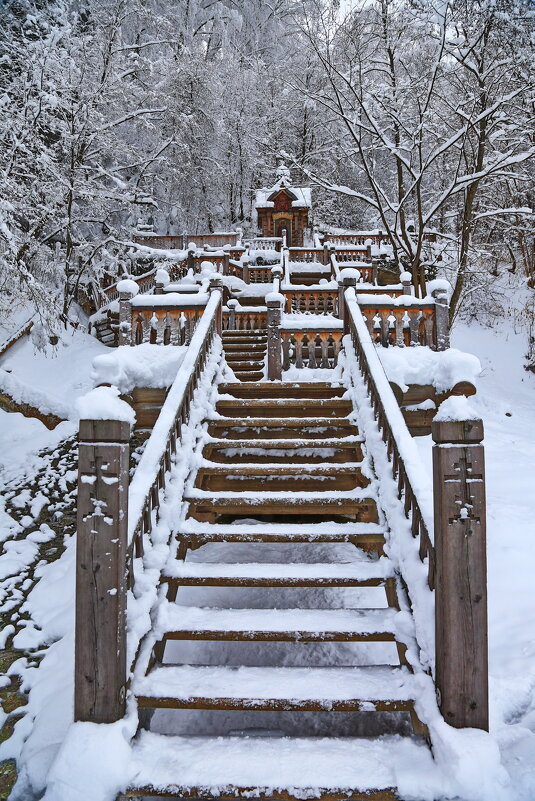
pixel 302 194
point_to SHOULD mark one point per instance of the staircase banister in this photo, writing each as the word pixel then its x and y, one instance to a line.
pixel 149 465
pixel 393 427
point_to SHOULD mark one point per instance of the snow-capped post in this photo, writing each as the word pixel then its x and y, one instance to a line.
pixel 232 314
pixel 100 670
pixel 191 257
pixel 245 268
pixel 375 271
pixel 406 282
pixel 326 253
pixel 226 260
pixel 442 319
pixel 461 566
pixel 127 289
pixel 274 301
pixel 348 277
pixel 369 251
pixel 217 284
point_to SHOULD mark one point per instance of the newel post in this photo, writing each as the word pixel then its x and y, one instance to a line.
pixel 232 303
pixel 461 573
pixel 442 319
pixel 347 279
pixel 217 284
pixel 274 319
pixel 100 670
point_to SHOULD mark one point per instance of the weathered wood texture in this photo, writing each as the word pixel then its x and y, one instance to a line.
pixel 101 559
pixel 274 340
pixel 461 573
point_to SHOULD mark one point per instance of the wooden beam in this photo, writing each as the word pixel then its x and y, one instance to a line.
pixel 102 518
pixel 461 573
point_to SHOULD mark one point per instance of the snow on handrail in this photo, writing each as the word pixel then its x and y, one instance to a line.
pixel 401 446
pixel 150 463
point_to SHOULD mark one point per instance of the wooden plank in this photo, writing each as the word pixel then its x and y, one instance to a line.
pixel 262 794
pixel 461 573
pixel 101 552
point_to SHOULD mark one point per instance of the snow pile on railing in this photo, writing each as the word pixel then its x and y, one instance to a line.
pixel 146 365
pixel 423 366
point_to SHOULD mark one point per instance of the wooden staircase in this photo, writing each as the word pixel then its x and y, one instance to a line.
pixel 245 353
pixel 284 500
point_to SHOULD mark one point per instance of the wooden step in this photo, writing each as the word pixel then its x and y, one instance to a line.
pixel 292 451
pixel 246 365
pixel 366 536
pixel 259 339
pixel 239 332
pixel 381 688
pixel 282 428
pixel 284 407
pixel 370 573
pixel 177 622
pixel 204 505
pixel 322 477
pixel 277 768
pixel 231 348
pixel 270 389
pixel 253 375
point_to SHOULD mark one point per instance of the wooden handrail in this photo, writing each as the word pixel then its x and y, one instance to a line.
pixel 149 476
pixel 401 448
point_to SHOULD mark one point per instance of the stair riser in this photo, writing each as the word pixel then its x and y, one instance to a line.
pixel 287 583
pixel 280 636
pixel 280 391
pixel 340 456
pixel 252 704
pixel 361 512
pixel 279 484
pixel 223 430
pixel 369 543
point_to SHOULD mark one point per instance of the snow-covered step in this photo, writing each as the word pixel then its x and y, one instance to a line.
pixel 381 688
pixel 289 625
pixel 291 451
pixel 357 503
pixel 243 477
pixel 284 407
pixel 368 536
pixel 281 428
pixel 283 768
pixel 251 347
pixel 319 389
pixel 252 574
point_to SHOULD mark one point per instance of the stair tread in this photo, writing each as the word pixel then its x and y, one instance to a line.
pixel 326 468
pixel 371 683
pixel 175 618
pixel 191 526
pixel 358 570
pixel 301 496
pixel 330 442
pixel 272 767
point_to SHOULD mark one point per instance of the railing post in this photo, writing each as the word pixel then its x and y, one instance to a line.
pixel 232 313
pixel 101 559
pixel 127 289
pixel 442 319
pixel 406 281
pixel 375 271
pixel 245 268
pixel 217 284
pixel 347 279
pixel 461 573
pixel 274 316
pixel 226 260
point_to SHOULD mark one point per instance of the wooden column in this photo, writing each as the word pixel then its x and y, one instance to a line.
pixel 274 340
pixel 461 573
pixel 102 526
pixel 217 284
pixel 226 260
pixel 442 320
pixel 125 319
pixel 342 286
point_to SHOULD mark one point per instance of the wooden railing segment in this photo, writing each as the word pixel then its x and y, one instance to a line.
pixel 114 517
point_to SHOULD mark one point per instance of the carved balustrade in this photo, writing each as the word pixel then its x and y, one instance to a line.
pixel 244 319
pixel 311 301
pixel 311 347
pixel 307 254
pixel 391 324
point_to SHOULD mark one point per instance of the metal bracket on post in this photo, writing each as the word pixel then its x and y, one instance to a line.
pixel 274 317
pixel 461 572
pixel 100 669
pixel 442 319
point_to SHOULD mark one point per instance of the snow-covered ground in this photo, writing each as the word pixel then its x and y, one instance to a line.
pixel 506 399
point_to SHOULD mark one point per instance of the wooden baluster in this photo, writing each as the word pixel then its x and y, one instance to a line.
pixel 414 316
pixel 429 326
pixel 174 322
pixel 312 363
pixel 299 349
pixel 337 345
pixel 384 326
pixel 399 315
pixel 286 344
pixel 324 341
